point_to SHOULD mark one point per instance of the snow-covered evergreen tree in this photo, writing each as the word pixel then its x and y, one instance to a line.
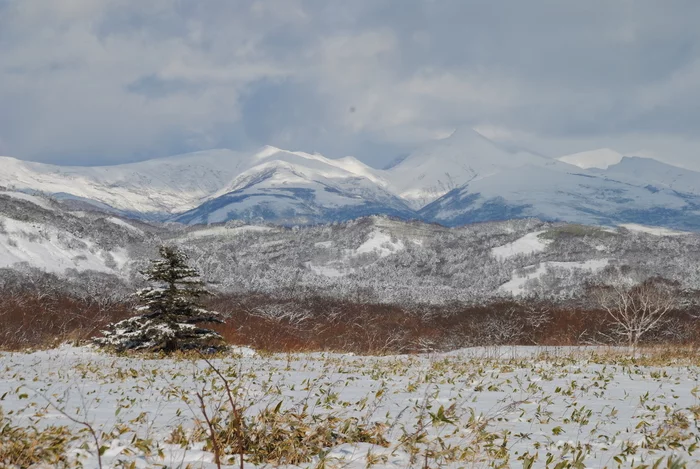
pixel 168 312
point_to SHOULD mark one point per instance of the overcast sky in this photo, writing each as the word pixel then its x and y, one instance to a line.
pixel 107 81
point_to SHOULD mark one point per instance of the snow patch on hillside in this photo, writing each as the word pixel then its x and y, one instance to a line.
pixel 327 271
pixel 529 244
pixel 376 243
pixel 654 230
pixel 601 158
pixel 28 198
pixel 516 286
pixel 381 244
pixel 122 223
pixel 226 231
pixel 51 250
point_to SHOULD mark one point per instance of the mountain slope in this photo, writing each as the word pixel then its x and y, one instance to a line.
pixel 164 185
pixel 655 175
pixel 602 158
pixel 39 233
pixel 287 191
pixel 375 258
pixel 558 193
pixel 461 179
pixel 439 167
pixel 168 186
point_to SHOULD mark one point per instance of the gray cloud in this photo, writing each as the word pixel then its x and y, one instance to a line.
pixel 113 81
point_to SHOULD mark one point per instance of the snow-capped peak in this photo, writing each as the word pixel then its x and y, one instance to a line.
pixel 266 152
pixel 601 158
pixel 438 167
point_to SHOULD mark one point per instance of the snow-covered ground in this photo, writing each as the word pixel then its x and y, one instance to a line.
pixel 53 250
pixel 227 231
pixel 506 407
pixel 327 271
pixel 43 203
pixel 377 242
pixel 529 244
pixel 128 226
pixel 517 284
pixel 380 243
pixel 602 158
pixel 654 230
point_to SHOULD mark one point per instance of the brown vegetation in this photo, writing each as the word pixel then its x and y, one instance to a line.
pixel 31 319
pixel 328 324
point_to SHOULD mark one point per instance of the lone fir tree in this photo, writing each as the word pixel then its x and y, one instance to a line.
pixel 169 311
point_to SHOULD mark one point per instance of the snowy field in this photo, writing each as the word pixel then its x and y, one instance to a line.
pixel 506 407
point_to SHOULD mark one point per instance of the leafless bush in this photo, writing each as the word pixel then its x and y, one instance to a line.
pixel 505 328
pixel 291 313
pixel 638 309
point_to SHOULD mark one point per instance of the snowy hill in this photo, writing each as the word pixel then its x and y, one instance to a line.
pixel 38 233
pixel 392 261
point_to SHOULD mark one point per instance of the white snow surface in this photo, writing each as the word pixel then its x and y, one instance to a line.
pixel 517 285
pixel 554 192
pixel 438 167
pixel 160 185
pixel 654 230
pixel 52 250
pixel 178 183
pixel 380 243
pixel 531 243
pixel 602 158
pixel 41 202
pixel 328 270
pixel 590 187
pixel 128 226
pixel 552 397
pixel 227 231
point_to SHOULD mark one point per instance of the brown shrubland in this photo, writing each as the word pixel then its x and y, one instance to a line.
pixel 29 319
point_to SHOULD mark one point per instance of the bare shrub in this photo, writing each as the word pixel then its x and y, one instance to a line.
pixel 291 313
pixel 638 309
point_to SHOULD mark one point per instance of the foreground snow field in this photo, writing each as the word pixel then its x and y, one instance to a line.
pixel 501 407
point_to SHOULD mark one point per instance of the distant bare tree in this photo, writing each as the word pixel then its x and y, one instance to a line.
pixel 638 309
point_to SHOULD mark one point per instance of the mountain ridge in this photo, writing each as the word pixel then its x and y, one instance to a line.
pixel 460 179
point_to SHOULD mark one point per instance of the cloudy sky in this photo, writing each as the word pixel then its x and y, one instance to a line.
pixel 107 81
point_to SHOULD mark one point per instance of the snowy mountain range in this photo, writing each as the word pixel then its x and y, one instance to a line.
pixel 458 180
